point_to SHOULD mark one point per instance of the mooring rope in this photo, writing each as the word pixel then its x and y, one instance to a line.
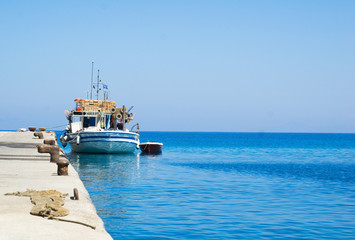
pixel 71 221
pixel 57 126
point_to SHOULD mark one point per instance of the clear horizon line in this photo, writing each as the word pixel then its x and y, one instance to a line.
pixel 187 131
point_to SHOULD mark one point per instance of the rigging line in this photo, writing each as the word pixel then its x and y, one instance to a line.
pixel 57 126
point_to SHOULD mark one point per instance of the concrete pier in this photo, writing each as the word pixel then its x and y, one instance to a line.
pixel 23 168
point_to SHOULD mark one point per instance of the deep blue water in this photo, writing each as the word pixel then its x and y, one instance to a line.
pixel 227 186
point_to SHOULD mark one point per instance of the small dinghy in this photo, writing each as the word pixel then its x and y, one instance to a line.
pixel 151 147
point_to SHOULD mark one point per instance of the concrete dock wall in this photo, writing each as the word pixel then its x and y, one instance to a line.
pixel 23 168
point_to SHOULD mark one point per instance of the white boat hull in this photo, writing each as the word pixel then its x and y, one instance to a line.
pixel 103 142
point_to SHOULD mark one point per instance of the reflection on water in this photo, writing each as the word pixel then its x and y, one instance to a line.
pixel 114 169
pixel 106 166
pixel 150 154
pixel 108 176
pixel 101 160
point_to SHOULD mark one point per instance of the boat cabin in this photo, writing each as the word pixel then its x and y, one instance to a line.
pixel 97 115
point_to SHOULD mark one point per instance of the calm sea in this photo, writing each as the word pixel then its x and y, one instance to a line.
pixel 227 186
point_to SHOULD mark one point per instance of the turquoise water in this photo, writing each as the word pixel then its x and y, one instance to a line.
pixel 227 186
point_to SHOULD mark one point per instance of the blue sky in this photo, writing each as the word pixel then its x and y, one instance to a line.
pixel 239 66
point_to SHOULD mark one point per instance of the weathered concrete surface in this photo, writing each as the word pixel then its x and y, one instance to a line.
pixel 22 168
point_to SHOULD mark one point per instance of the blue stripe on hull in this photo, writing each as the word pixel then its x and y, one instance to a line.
pixel 104 137
pixel 105 147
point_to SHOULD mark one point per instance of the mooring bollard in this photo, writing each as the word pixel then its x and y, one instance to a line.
pixel 62 167
pixel 39 135
pixel 32 129
pixel 76 194
pixel 62 153
pixel 49 141
pixel 53 150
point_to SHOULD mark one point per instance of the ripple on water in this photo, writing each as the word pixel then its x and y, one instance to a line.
pixel 247 186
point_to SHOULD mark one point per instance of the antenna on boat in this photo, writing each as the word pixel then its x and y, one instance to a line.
pixel 130 109
pixel 105 95
pixel 92 78
pixel 98 77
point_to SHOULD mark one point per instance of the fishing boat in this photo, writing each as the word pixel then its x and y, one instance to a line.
pixel 151 147
pixel 98 126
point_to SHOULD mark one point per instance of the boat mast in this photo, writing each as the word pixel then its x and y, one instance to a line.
pixel 98 77
pixel 92 78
